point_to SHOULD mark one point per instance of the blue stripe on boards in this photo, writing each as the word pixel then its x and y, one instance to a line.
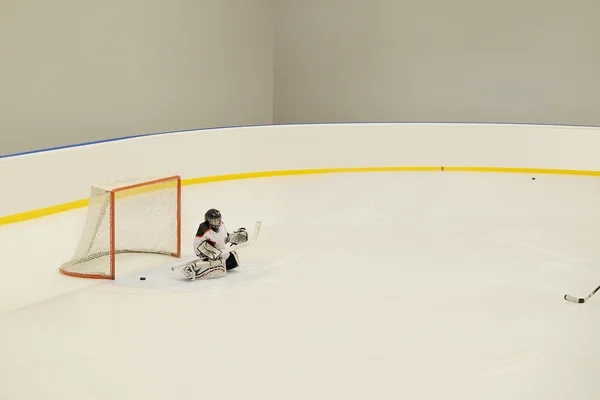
pixel 449 123
pixel 121 138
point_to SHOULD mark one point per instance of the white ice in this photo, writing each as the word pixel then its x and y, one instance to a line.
pixel 361 286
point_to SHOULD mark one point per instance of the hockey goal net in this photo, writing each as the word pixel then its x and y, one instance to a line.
pixel 133 216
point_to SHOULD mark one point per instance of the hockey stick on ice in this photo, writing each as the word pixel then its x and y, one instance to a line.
pixel 574 299
pixel 229 249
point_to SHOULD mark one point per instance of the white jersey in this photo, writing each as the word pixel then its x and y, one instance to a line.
pixel 206 234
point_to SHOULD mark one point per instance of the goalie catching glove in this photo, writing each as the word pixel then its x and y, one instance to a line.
pixel 238 237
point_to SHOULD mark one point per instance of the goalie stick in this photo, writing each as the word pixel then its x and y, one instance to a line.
pixel 574 299
pixel 229 249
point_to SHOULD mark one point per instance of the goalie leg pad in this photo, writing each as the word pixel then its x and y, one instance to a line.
pixel 188 271
pixel 209 270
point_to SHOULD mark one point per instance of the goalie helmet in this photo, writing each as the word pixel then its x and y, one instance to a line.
pixel 213 218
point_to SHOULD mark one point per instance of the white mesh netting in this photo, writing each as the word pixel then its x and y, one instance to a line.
pixel 146 220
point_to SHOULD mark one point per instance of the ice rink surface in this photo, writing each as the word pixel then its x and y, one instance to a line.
pixel 361 286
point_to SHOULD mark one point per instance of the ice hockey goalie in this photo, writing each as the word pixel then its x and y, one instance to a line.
pixel 211 238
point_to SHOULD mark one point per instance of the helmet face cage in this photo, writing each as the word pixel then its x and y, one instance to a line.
pixel 215 223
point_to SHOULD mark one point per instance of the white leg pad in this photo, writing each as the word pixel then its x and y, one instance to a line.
pixel 188 272
pixel 208 269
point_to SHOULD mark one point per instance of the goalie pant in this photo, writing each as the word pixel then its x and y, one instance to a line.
pixel 207 238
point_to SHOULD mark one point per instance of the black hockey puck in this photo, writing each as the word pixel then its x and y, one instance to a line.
pixel 142 278
pixel 533 179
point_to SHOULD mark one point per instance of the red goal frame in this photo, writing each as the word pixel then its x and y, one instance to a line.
pixel 113 196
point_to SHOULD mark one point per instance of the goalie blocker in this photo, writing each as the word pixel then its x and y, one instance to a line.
pixel 215 248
